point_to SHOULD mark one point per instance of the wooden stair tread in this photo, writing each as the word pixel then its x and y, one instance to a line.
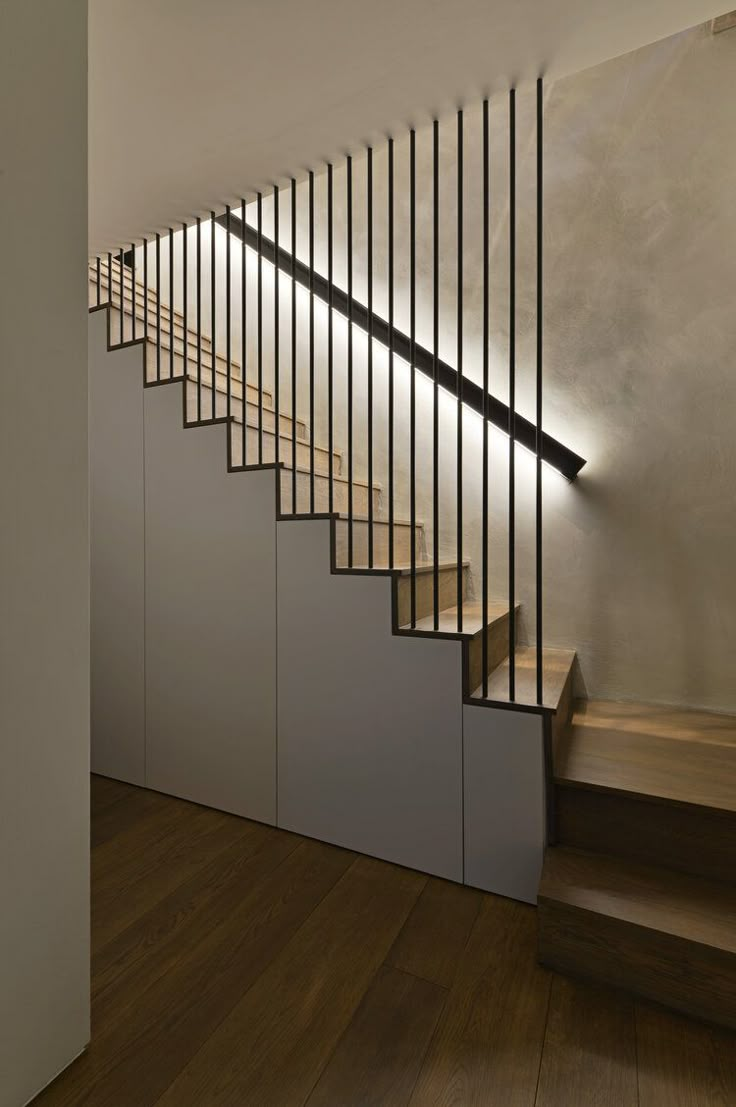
pixel 556 663
pixel 428 567
pixel 472 619
pixel 668 753
pixel 658 899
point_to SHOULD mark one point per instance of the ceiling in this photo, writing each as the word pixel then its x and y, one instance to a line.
pixel 194 102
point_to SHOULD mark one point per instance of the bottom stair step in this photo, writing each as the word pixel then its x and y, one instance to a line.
pixel 662 935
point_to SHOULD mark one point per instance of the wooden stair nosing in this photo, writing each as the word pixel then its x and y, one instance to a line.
pixel 625 749
pixel 558 676
pixel 663 935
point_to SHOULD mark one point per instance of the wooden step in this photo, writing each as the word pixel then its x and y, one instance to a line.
pixel 652 783
pixel 402 542
pixel 268 413
pixel 666 936
pixel 447 572
pixel 268 454
pixel 340 495
pixel 497 634
pixel 168 314
pixel 558 674
pixel 166 310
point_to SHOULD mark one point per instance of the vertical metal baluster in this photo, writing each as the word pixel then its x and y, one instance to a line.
pixel 369 260
pixel 350 356
pixel 459 370
pixel 412 368
pixel 259 328
pixel 213 313
pixel 512 394
pixel 158 306
pixel 390 353
pixel 132 272
pixel 99 280
pixel 486 358
pixel 293 346
pixel 199 319
pixel 145 302
pixel 243 337
pixel 109 280
pixel 435 372
pixel 540 325
pixel 121 262
pixel 276 329
pixel 171 303
pixel 311 341
pixel 330 381
pixel 184 293
pixel 228 316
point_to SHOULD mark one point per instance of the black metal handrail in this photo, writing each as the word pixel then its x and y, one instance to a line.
pixel 554 452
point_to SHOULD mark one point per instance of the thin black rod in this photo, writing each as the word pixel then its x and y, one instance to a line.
pixel 486 369
pixel 412 371
pixel 512 394
pixel 145 293
pixel 109 278
pixel 293 346
pixel 349 185
pixel 391 346
pixel 213 312
pixel 276 333
pixel 132 289
pixel 435 372
pixel 330 337
pixel 243 338
pixel 185 307
pixel 460 275
pixel 228 318
pixel 554 452
pixel 540 335
pixel 99 280
pixel 311 341
pixel 121 263
pixel 158 306
pixel 259 327
pixel 171 302
pixel 199 319
pixel 369 275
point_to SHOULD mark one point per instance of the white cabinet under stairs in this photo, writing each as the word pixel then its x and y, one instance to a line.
pixel 236 664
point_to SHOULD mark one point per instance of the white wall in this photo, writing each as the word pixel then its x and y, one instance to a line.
pixel 44 560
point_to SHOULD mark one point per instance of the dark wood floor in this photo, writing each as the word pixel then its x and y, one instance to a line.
pixel 236 964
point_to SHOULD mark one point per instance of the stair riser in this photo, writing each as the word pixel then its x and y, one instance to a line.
pixel 268 453
pixel 179 331
pixel 498 649
pixel 402 544
pixel 166 311
pixel 689 839
pixel 425 593
pixel 322 495
pixel 697 980
pixel 267 415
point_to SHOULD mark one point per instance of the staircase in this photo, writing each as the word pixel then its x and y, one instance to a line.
pixel 164 361
pixel 640 890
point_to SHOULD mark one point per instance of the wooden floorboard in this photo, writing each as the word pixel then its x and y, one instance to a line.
pixel 488 1044
pixel 239 964
pixel 589 1052
pixel 683 1063
pixel 434 936
pixel 379 1056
